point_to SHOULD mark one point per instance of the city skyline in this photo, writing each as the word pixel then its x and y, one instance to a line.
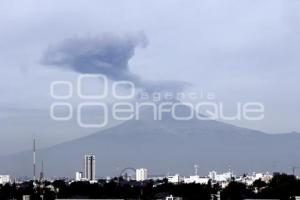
pixel 244 58
pixel 165 100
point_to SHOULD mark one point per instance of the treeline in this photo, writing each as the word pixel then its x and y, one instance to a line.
pixel 282 186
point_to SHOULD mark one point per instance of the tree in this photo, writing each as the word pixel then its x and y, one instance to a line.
pixel 236 191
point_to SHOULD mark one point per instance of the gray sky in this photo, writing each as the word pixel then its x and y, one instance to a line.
pixel 240 50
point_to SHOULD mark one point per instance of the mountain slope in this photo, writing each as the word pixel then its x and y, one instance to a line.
pixel 166 146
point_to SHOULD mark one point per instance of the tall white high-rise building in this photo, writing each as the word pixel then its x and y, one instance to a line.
pixel 141 174
pixel 89 167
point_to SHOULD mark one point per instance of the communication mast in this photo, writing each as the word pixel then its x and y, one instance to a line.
pixel 196 170
pixel 34 166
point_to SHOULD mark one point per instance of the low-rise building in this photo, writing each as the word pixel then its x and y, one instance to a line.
pixel 79 176
pixel 174 179
pixel 196 179
pixel 4 179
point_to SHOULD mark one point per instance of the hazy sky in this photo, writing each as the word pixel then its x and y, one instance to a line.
pixel 240 50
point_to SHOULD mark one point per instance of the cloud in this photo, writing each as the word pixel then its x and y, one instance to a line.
pixel 106 54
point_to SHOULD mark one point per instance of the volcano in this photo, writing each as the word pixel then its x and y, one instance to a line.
pixel 165 146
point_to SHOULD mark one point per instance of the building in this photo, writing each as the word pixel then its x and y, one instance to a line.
pixel 224 177
pixel 90 167
pixel 174 179
pixel 78 176
pixel 26 197
pixel 196 179
pixel 212 175
pixel 4 179
pixel 141 174
pixel 249 179
pixel 173 198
